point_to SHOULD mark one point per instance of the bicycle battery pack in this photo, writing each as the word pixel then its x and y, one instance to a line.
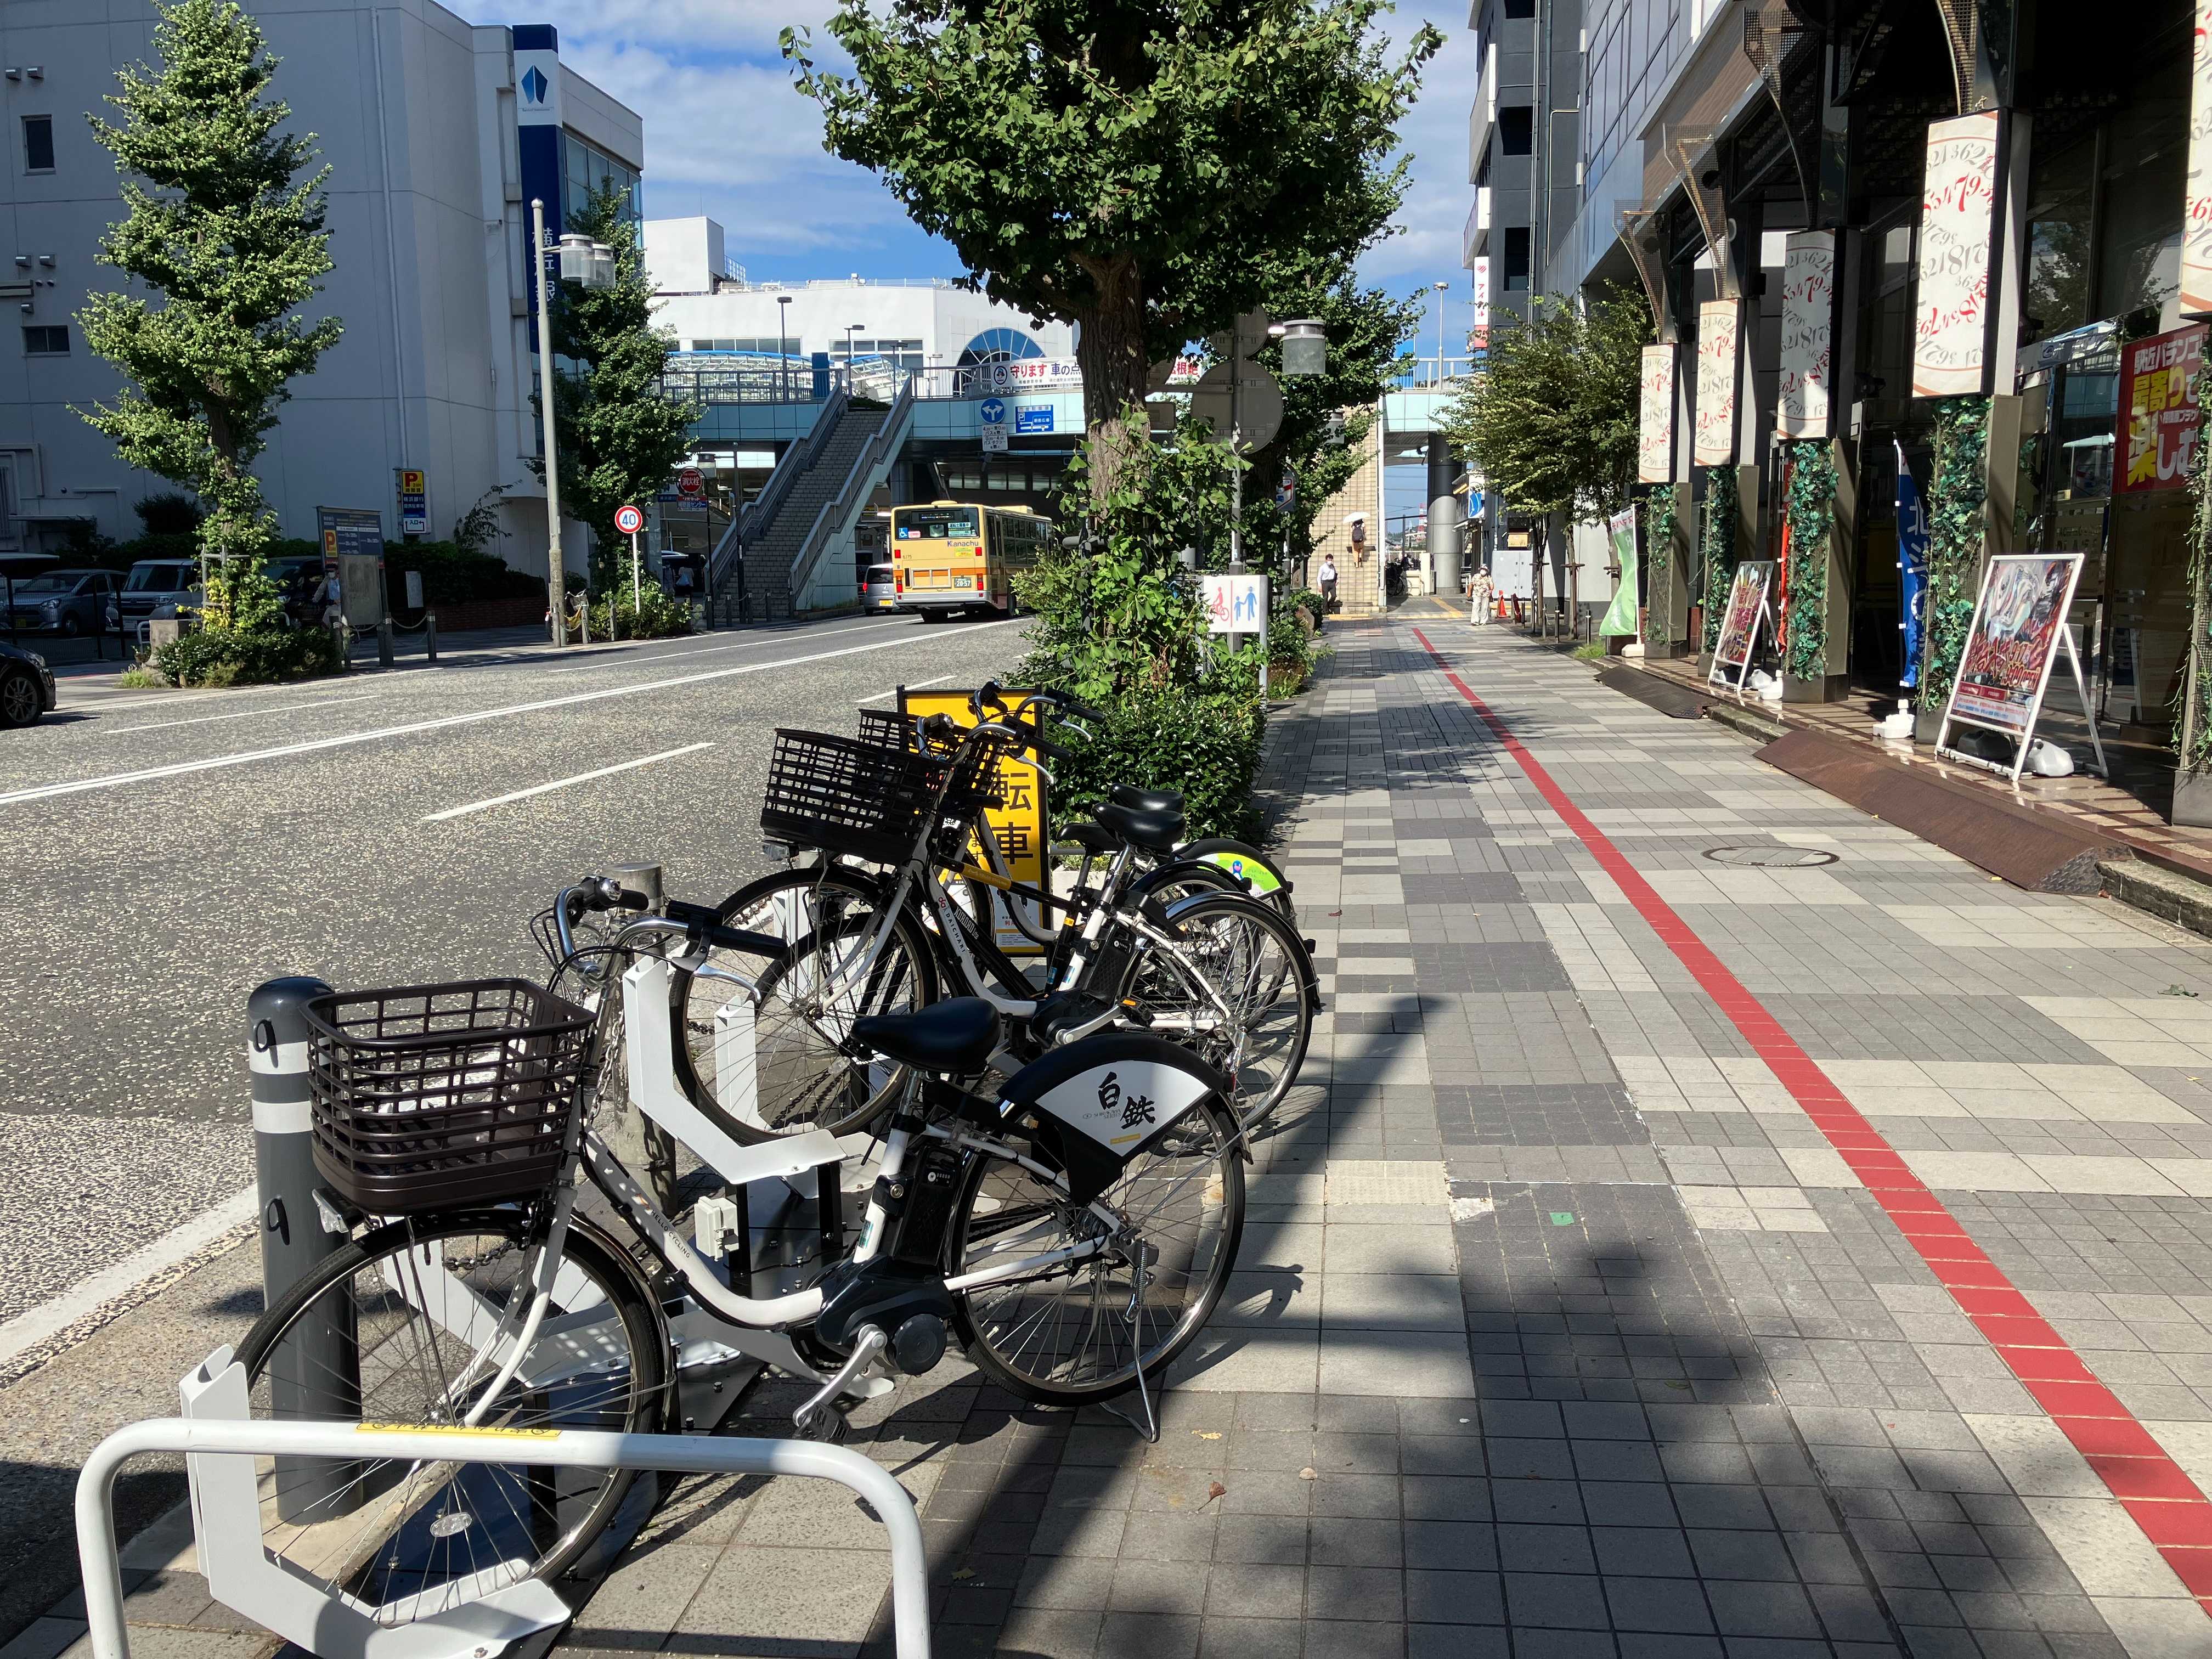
pixel 1099 1102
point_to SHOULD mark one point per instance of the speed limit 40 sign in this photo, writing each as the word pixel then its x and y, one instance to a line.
pixel 628 521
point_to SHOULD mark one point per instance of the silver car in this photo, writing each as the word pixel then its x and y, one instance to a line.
pixel 878 591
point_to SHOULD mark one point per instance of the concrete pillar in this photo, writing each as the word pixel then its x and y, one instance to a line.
pixel 1444 517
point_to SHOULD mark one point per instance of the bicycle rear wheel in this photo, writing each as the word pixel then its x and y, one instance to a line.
pixel 1080 1331
pixel 1251 1017
pixel 408 1326
pixel 796 1011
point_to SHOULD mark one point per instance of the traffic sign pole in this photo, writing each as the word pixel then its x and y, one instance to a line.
pixel 630 522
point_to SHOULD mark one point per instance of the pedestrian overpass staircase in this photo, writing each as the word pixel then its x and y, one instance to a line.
pixel 795 538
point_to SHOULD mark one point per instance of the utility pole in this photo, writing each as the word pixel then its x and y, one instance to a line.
pixel 555 563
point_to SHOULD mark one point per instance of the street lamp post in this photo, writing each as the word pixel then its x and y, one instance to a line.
pixel 849 327
pixel 1441 287
pixel 783 346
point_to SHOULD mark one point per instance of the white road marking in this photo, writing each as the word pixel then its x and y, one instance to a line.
pixel 244 715
pixel 26 1330
pixel 915 685
pixel 562 783
pixel 705 651
pixel 147 774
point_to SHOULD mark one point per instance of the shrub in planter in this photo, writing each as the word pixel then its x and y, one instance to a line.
pixel 1206 744
pixel 656 616
pixel 222 657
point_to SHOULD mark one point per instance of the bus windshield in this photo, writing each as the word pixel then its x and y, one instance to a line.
pixel 937 523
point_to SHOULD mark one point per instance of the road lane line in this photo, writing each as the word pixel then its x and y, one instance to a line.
pixel 2173 1514
pixel 89 1295
pixel 562 783
pixel 709 650
pixel 152 773
pixel 915 685
pixel 243 714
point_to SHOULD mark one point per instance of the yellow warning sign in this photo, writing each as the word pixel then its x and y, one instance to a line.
pixel 1018 826
pixel 454 1428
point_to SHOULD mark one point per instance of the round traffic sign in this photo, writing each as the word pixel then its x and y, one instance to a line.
pixel 628 521
pixel 691 483
pixel 993 410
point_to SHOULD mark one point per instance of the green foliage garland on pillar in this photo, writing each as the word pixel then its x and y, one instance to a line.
pixel 2195 727
pixel 1719 547
pixel 1812 511
pixel 1956 492
pixel 1659 522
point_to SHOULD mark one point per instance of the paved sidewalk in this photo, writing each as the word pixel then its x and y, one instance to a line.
pixel 1564 1330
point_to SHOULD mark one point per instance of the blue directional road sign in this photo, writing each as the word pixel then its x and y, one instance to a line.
pixel 1036 418
pixel 993 410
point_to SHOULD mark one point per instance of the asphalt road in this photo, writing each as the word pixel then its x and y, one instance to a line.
pixel 165 853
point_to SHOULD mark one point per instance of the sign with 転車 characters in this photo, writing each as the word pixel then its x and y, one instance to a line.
pixel 1017 824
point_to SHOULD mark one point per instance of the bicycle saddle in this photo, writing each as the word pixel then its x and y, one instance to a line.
pixel 1148 801
pixel 954 1037
pixel 1093 838
pixel 1156 832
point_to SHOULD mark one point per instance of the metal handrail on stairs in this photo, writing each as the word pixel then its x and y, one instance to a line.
pixel 751 522
pixel 839 509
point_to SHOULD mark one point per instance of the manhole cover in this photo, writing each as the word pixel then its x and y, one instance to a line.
pixel 1770 856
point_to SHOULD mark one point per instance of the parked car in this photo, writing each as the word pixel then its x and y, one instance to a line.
pixel 159 587
pixel 27 685
pixel 299 580
pixel 878 591
pixel 67 602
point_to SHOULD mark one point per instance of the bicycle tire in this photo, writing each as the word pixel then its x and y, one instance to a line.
pixel 696 1018
pixel 973 1325
pixel 1213 848
pixel 1285 995
pixel 642 1409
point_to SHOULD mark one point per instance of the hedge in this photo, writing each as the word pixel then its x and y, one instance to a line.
pixel 1205 744
pixel 218 657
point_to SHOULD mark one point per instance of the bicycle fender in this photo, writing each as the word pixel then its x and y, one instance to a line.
pixel 1099 1102
pixel 1309 979
pixel 1143 891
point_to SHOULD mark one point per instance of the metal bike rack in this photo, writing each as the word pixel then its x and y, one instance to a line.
pixel 227 1519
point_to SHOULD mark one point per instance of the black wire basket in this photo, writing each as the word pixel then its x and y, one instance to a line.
pixel 851 797
pixel 978 783
pixel 431 1096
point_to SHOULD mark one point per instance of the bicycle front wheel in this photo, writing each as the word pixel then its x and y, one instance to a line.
pixel 765 1040
pixel 1080 1331
pixel 411 1326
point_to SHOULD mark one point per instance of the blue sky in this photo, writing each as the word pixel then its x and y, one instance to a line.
pixel 726 136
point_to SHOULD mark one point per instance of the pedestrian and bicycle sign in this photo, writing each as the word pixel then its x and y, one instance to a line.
pixel 628 521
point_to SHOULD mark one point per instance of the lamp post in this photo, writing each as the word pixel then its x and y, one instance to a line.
pixel 589 265
pixel 849 327
pixel 1441 287
pixel 783 348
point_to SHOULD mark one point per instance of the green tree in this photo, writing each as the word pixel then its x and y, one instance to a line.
pixel 1138 169
pixel 1552 419
pixel 229 238
pixel 621 435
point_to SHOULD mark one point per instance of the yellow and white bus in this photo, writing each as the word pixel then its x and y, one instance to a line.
pixel 948 557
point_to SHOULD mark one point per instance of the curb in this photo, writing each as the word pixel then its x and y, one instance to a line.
pixel 2166 894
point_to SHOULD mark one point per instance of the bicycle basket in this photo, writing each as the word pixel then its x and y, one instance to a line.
pixel 429 1096
pixel 847 796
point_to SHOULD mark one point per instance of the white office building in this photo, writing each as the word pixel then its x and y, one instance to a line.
pixel 710 306
pixel 438 132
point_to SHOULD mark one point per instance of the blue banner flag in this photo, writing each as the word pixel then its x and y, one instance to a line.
pixel 1911 575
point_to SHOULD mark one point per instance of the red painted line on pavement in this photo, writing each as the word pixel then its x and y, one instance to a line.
pixel 2173 1514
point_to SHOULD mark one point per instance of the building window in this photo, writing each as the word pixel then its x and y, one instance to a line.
pixel 50 341
pixel 1516 130
pixel 37 143
pixel 1520 8
pixel 1516 259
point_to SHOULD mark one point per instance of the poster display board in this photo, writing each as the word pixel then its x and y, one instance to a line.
pixel 2016 637
pixel 2196 210
pixel 1654 436
pixel 1621 620
pixel 2161 414
pixel 1809 294
pixel 1958 218
pixel 1714 444
pixel 1019 826
pixel 1740 623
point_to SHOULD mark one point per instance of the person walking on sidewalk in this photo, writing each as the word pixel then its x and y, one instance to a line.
pixel 1328 581
pixel 1479 588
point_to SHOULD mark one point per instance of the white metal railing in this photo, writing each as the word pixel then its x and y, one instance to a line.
pixel 569 1449
pixel 751 522
pixel 875 455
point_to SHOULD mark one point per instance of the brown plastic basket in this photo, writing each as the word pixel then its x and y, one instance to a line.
pixel 436 1097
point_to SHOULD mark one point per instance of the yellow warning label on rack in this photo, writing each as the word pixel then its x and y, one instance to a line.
pixel 455 1428
pixel 1018 827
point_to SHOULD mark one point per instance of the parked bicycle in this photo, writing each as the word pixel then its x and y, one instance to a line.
pixel 1073 1234
pixel 898 905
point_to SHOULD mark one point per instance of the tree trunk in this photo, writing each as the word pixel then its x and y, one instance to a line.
pixel 1110 349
